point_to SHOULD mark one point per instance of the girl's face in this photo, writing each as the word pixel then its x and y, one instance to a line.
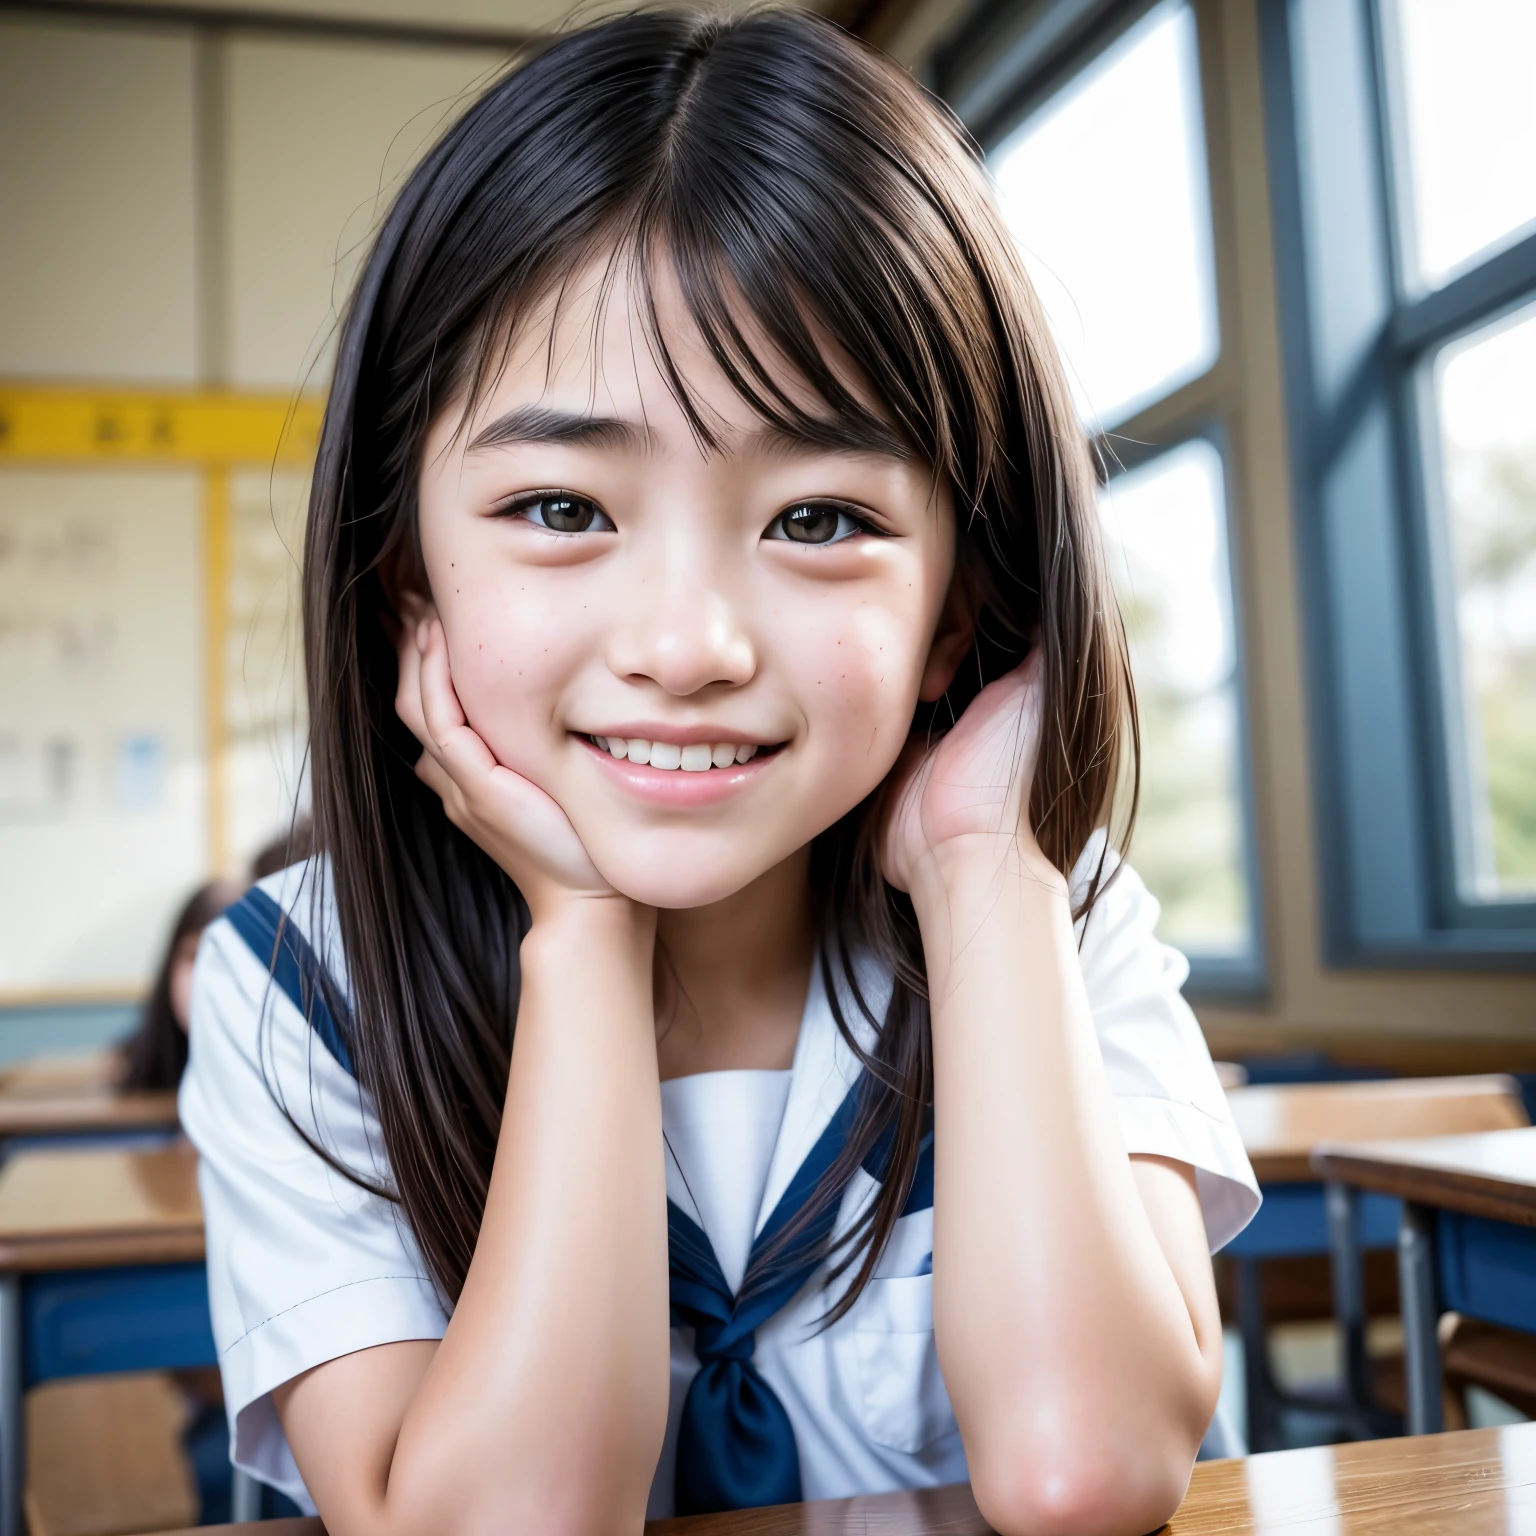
pixel 772 608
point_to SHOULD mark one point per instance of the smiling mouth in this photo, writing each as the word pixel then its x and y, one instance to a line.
pixel 698 757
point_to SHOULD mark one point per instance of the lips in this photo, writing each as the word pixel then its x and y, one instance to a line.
pixel 696 757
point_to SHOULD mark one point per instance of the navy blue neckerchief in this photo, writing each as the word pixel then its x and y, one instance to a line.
pixel 736 1447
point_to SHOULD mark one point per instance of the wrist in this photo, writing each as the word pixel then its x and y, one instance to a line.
pixel 577 927
pixel 979 863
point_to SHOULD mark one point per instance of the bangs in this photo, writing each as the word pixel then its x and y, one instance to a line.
pixel 765 334
pixel 824 271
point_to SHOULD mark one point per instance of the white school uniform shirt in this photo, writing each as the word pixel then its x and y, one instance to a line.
pixel 304 1266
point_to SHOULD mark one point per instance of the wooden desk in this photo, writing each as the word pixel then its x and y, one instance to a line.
pixel 51 1076
pixel 1280 1125
pixel 1481 1482
pixel 1468 1237
pixel 85 1111
pixel 100 1270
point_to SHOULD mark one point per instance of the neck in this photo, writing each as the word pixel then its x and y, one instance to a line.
pixel 731 977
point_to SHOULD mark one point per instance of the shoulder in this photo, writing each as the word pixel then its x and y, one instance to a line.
pixel 1117 940
pixel 259 1066
pixel 1158 1067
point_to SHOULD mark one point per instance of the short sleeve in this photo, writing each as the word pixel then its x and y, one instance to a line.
pixel 304 1265
pixel 1166 1093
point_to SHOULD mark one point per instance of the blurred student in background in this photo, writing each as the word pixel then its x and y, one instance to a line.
pixel 293 845
pixel 156 1054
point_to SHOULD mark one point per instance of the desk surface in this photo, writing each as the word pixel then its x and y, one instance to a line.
pixel 50 1076
pixel 1281 1124
pixel 1480 1482
pixel 88 1208
pixel 1489 1175
pixel 36 1112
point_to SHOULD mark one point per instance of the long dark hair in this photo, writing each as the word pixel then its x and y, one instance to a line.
pixel 155 1055
pixel 784 171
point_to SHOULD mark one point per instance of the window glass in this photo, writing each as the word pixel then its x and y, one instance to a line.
pixel 1470 120
pixel 1486 385
pixel 1104 188
pixel 1166 537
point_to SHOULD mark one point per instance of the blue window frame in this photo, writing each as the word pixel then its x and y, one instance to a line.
pixel 1408 316
pixel 1069 96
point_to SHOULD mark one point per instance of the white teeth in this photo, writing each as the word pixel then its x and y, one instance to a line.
pixel 697 757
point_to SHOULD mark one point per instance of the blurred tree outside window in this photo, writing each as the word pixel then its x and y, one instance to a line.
pixel 1462 127
pixel 1486 398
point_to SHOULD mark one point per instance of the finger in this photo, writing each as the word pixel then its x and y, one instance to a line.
pixel 437 778
pixel 457 746
pixel 408 685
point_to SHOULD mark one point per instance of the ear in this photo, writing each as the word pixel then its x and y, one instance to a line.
pixel 951 640
pixel 407 608
pixel 413 607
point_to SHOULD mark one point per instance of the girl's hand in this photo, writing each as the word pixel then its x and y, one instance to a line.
pixel 511 818
pixel 971 790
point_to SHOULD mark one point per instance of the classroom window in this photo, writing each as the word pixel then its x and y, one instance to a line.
pixel 1465 123
pixel 1402 136
pixel 1166 534
pixel 1097 143
pixel 1484 396
pixel 1104 187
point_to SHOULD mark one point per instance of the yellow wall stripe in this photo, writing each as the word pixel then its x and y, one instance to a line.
pixel 48 424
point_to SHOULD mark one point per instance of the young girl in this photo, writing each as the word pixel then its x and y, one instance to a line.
pixel 719 1059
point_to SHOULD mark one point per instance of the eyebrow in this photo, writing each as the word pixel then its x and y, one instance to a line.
pixel 542 424
pixel 861 434
pixel 864 433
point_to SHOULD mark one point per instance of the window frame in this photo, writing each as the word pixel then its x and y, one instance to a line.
pixel 1010 58
pixel 1359 343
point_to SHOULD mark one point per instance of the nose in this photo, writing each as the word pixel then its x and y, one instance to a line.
pixel 682 630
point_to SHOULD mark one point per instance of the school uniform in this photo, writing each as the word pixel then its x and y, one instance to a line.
pixel 304 1266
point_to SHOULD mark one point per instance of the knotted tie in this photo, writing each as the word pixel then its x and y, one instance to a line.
pixel 735 1445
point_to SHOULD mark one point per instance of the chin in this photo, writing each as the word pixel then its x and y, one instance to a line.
pixel 676 889
pixel 679 870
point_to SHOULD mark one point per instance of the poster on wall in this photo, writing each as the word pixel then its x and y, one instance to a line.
pixel 103 829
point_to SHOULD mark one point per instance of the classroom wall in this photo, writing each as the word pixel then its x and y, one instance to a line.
pixel 188 212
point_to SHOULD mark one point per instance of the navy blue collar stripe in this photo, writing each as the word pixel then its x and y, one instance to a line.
pixel 273 937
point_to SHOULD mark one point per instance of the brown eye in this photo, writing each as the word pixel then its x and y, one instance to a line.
pixel 815 522
pixel 563 512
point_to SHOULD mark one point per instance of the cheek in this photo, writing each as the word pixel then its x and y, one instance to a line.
pixel 860 664
pixel 513 643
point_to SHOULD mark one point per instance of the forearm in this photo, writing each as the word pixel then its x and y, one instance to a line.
pixel 1068 1349
pixel 544 1406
